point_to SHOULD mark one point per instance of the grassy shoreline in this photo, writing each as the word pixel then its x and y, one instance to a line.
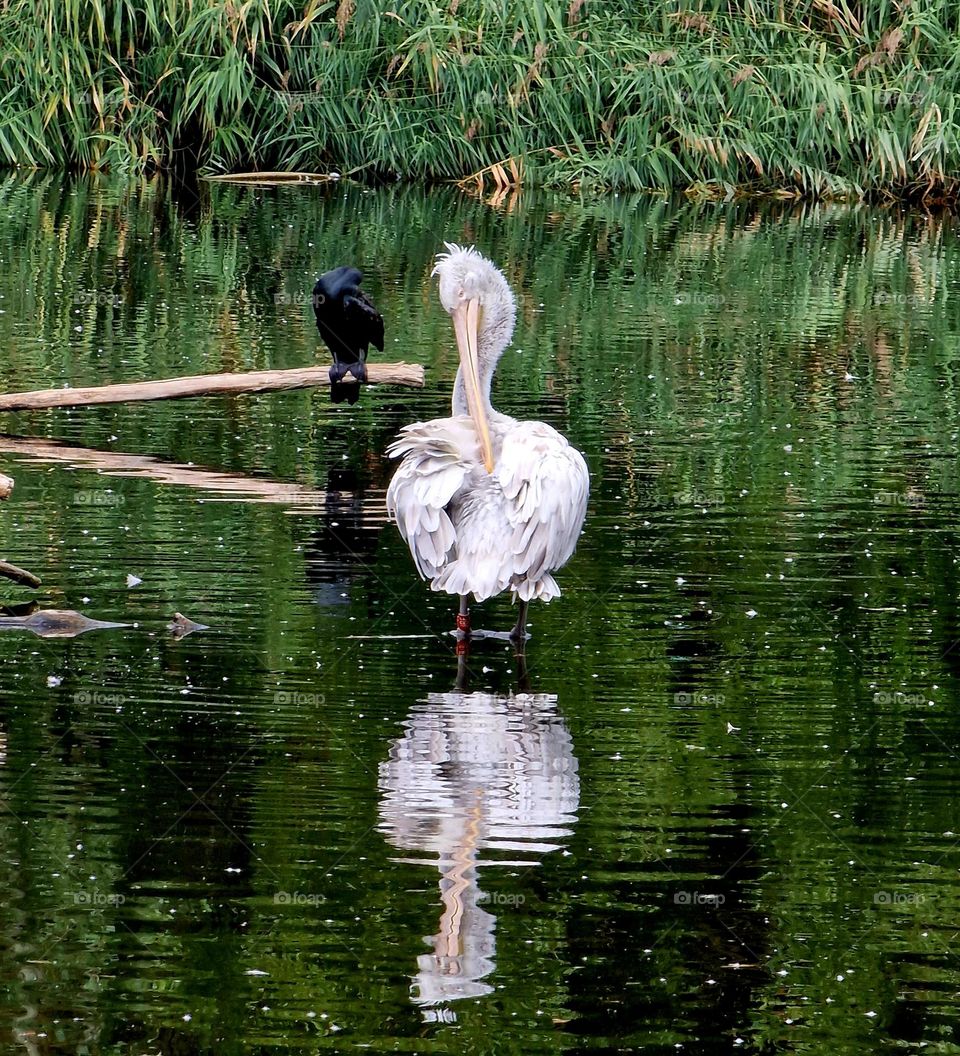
pixel 807 98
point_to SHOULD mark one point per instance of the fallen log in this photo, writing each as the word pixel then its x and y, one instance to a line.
pixel 205 385
pixel 6 486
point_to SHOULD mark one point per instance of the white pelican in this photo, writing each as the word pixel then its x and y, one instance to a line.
pixel 486 503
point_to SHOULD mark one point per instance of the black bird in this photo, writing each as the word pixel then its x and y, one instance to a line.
pixel 348 322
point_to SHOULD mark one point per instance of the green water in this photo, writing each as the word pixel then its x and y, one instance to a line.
pixel 718 813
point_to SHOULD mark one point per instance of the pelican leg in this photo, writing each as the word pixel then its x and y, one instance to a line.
pixel 519 632
pixel 463 617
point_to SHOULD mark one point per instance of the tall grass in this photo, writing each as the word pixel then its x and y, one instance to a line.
pixel 801 97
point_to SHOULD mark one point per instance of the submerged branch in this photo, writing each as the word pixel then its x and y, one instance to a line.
pixel 223 486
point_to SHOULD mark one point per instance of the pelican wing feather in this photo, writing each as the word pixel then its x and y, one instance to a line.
pixel 545 486
pixel 436 457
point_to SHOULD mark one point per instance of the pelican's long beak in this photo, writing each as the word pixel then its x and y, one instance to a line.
pixel 466 318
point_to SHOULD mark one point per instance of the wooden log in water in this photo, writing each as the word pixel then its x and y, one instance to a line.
pixel 6 486
pixel 205 385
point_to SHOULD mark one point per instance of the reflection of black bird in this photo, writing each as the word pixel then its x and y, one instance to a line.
pixel 348 322
pixel 344 539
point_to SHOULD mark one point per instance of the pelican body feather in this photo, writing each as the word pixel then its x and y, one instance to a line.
pixel 473 529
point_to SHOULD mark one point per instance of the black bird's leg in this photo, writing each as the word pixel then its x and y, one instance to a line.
pixel 341 391
pixel 340 369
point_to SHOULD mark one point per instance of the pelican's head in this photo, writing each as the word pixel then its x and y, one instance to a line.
pixel 481 304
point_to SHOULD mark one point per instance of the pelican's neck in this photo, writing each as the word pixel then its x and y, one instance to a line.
pixel 495 333
pixel 459 400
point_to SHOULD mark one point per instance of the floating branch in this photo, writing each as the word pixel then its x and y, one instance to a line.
pixel 204 385
pixel 269 178
pixel 18 575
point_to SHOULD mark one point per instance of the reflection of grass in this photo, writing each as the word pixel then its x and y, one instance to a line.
pixel 140 280
pixel 805 97
pixel 667 341
pixel 705 323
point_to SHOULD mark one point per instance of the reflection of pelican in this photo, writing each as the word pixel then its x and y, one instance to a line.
pixel 486 503
pixel 476 773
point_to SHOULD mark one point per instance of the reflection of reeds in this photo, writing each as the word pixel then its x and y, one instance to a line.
pixel 692 320
pixel 806 97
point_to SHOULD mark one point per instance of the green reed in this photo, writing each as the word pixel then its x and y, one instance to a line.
pixel 815 98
